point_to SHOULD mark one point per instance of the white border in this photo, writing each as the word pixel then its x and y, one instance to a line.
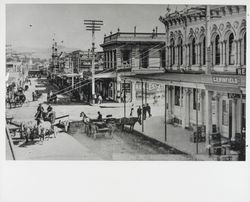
pixel 84 181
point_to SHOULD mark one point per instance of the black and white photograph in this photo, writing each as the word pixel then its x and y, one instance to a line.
pixel 127 101
pixel 171 87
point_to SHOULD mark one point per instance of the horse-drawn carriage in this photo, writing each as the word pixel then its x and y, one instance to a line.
pixel 17 100
pixel 95 127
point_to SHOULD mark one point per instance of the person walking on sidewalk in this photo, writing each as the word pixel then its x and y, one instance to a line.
pixel 139 112
pixel 148 109
pixel 131 110
pixel 99 118
pixel 144 112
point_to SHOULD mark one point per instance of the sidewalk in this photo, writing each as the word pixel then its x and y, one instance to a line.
pixel 177 137
pixel 63 147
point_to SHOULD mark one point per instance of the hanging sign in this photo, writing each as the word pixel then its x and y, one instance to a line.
pixel 225 80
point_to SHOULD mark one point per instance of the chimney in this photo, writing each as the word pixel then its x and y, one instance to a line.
pixel 156 30
pixel 134 30
pixel 118 30
pixel 153 34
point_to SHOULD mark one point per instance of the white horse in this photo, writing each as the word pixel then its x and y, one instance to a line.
pixel 46 128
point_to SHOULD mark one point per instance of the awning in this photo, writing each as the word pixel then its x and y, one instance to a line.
pixel 225 89
pixel 106 75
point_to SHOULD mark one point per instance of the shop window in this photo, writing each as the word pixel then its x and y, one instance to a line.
pixel 231 49
pixel 177 96
pixel 193 52
pixel 217 50
pixel 224 113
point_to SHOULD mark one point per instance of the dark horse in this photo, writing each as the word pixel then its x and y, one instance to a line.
pixel 131 121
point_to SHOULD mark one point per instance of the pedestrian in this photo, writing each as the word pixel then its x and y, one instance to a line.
pixel 139 112
pixel 39 114
pixel 99 99
pixel 33 96
pixel 144 112
pixel 99 118
pixel 49 108
pixel 131 110
pixel 48 97
pixel 148 109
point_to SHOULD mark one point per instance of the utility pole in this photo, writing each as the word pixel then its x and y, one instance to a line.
pixel 93 26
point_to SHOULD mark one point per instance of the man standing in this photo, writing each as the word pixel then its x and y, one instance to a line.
pixel 144 112
pixel 39 114
pixel 132 110
pixel 139 112
pixel 148 109
pixel 99 118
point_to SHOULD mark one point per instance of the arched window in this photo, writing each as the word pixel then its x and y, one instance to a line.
pixel 231 49
pixel 193 52
pixel 204 51
pixel 172 52
pixel 217 50
pixel 180 52
pixel 245 49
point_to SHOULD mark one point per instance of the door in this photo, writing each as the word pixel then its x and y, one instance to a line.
pixel 230 119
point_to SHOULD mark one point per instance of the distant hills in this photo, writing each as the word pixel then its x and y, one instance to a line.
pixel 39 52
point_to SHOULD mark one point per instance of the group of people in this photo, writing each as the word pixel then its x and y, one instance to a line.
pixel 142 111
pixel 42 115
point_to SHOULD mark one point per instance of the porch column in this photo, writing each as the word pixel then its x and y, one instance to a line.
pixel 184 108
pixel 208 103
pixel 234 119
pixel 187 111
pixel 133 96
pixel 202 114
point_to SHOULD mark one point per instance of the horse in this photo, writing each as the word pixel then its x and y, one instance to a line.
pixel 46 128
pixel 129 121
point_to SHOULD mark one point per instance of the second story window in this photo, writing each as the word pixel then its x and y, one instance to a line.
pixel 217 50
pixel 172 52
pixel 231 47
pixel 204 51
pixel 180 52
pixel 163 57
pixel 126 57
pixel 177 96
pixel 245 49
pixel 193 52
pixel 144 56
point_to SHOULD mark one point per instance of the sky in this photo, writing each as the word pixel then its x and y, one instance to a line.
pixel 65 23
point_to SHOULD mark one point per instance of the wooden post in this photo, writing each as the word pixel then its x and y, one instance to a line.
pixel 166 113
pixel 142 106
pixel 197 137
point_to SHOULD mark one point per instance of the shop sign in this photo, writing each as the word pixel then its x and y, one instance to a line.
pixel 241 71
pixel 233 95
pixel 126 87
pixel 225 80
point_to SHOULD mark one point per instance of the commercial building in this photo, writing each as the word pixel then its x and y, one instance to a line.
pixel 129 53
pixel 205 70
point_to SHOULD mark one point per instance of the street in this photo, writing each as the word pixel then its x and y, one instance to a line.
pixel 123 145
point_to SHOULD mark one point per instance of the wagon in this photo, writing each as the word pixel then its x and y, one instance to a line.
pixel 97 128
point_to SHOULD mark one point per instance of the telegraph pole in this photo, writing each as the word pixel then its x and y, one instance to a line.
pixel 93 26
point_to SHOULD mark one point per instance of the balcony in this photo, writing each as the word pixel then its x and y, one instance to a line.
pixel 134 37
